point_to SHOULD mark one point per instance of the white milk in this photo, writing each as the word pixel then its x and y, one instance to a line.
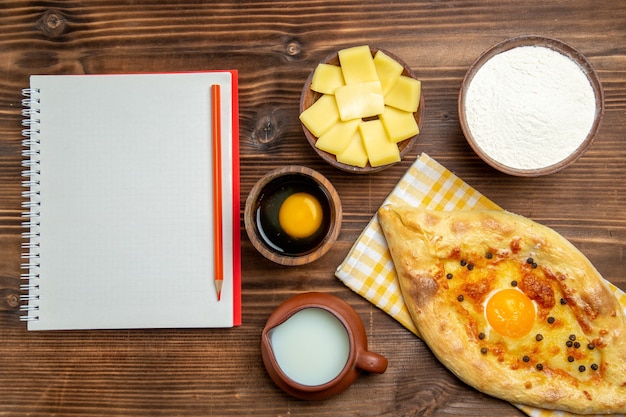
pixel 311 347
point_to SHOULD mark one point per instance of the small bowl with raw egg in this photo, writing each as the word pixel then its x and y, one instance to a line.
pixel 293 215
pixel 361 109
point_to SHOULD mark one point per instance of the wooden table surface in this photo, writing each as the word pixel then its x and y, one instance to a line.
pixel 275 45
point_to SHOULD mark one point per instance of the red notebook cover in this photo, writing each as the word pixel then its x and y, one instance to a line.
pixel 236 203
pixel 118 201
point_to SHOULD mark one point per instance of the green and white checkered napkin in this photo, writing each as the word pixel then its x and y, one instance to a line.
pixel 368 269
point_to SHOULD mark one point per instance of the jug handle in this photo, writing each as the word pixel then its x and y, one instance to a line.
pixel 371 362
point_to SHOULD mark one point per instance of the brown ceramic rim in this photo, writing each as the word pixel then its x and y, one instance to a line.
pixel 308 97
pixel 558 46
pixel 336 214
pixel 348 318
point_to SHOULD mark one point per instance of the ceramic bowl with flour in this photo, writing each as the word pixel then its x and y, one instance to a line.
pixel 530 106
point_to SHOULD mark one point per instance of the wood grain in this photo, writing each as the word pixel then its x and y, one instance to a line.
pixel 275 45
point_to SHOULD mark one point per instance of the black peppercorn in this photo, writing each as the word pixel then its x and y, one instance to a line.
pixel 539 367
pixel 460 298
pixel 530 260
pixel 550 320
pixel 563 301
pixel 514 283
pixel 594 366
pixel 526 358
pixel 576 345
pixel 570 359
pixel 484 350
pixel 591 346
pixel 572 337
pixel 449 276
pixel 534 265
pixel 569 343
pixel 539 337
pixel 481 336
pixel 463 262
pixel 489 255
pixel 470 266
pixel 582 368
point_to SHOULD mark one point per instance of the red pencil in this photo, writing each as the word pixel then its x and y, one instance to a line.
pixel 217 189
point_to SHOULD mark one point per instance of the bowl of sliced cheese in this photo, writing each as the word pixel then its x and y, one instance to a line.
pixel 361 109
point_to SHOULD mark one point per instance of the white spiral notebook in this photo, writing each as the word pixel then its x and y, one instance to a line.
pixel 118 202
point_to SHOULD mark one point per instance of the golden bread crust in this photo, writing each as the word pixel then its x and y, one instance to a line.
pixel 449 264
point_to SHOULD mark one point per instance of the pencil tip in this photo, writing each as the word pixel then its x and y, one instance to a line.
pixel 218 287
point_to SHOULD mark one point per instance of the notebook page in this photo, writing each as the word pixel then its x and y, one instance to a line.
pixel 126 210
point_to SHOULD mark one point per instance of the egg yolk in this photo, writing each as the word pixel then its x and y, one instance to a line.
pixel 511 313
pixel 300 215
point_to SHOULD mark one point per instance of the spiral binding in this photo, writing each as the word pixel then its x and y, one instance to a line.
pixel 31 133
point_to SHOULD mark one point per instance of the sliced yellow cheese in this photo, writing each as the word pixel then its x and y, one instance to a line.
pixel 388 70
pixel 337 138
pixel 355 153
pixel 357 65
pixel 321 115
pixel 380 150
pixel 326 78
pixel 405 94
pixel 355 101
pixel 399 124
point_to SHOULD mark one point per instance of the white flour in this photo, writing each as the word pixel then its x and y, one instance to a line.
pixel 529 107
